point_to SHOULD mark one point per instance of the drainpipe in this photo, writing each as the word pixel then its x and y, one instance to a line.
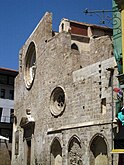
pixel 111 70
pixel 122 28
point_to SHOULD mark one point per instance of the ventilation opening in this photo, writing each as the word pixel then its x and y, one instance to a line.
pixel 103 106
pixel 62 26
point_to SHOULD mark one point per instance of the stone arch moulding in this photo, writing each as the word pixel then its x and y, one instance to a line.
pixel 56 139
pixel 57 101
pixel 56 152
pixel 74 151
pixel 98 150
pixel 100 135
pixel 30 65
pixel 76 137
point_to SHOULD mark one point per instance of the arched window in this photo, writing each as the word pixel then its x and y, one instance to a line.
pixel 57 101
pixel 62 26
pixel 76 61
pixel 30 65
pixel 56 153
pixel 74 151
pixel 98 151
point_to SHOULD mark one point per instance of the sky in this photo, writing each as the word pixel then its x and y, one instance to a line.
pixel 18 18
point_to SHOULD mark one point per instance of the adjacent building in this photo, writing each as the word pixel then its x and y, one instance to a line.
pixel 118 42
pixel 64 96
pixel 7 77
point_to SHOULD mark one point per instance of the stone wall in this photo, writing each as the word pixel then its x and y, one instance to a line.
pixel 5 152
pixel 73 86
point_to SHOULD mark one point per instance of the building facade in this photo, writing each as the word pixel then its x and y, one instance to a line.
pixel 7 77
pixel 64 96
pixel 118 42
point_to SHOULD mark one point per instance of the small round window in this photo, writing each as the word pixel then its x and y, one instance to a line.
pixel 30 65
pixel 57 101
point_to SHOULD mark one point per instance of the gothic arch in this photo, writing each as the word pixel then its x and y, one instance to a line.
pixel 98 150
pixel 75 57
pixel 74 137
pixel 56 152
pixel 74 151
pixel 74 46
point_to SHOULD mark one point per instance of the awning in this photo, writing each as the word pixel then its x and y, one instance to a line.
pixel 3 138
pixel 117 151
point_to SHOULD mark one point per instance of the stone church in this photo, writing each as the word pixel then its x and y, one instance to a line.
pixel 63 96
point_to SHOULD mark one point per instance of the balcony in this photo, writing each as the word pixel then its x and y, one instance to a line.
pixel 6 119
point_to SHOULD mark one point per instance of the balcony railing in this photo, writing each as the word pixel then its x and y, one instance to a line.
pixel 6 119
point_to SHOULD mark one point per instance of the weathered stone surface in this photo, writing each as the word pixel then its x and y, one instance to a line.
pixel 85 81
pixel 5 153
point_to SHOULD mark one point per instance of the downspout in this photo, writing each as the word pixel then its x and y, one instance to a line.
pixel 122 28
pixel 111 70
pixel 112 73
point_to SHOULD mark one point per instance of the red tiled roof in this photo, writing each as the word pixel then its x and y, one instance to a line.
pixel 91 25
pixel 8 71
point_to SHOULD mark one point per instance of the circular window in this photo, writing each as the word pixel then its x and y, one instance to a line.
pixel 30 65
pixel 57 101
